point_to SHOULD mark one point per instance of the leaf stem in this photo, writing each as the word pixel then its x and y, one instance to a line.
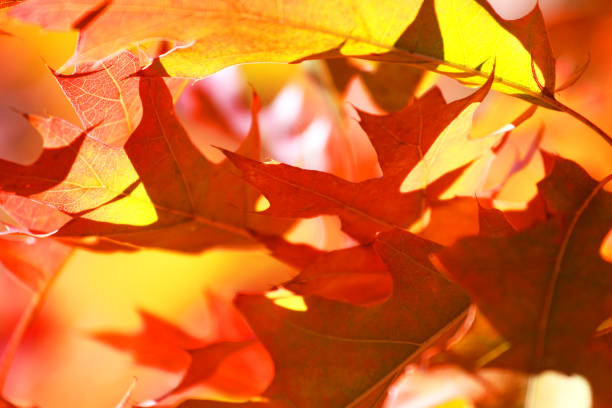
pixel 586 121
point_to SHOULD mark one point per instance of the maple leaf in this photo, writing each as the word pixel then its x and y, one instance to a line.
pixel 89 168
pixel 364 208
pixel 332 354
pixel 215 35
pixel 198 203
pixel 204 363
pixel 546 288
pixel 73 174
pixel 401 141
pixel 225 325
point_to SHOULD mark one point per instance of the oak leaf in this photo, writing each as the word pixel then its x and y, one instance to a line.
pixel 179 201
pixel 213 35
pixel 546 288
pixel 334 354
pixel 105 96
pixel 354 275
pixel 403 142
pixel 164 345
pixel 391 86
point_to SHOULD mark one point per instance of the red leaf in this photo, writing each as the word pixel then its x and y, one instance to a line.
pixel 401 139
pixel 353 275
pixel 333 353
pixel 167 352
pixel 368 207
pixel 197 204
pixel 204 363
pixel 365 208
pixel 105 97
pixel 546 288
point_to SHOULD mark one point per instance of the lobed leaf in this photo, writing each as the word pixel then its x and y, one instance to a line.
pixel 546 288
pixel 334 354
pixel 214 35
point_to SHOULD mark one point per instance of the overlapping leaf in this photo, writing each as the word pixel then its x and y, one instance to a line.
pixel 178 200
pixel 105 97
pixel 355 275
pixel 214 35
pixel 74 173
pixel 391 86
pixel 547 288
pixel 25 216
pixel 402 141
pixel 334 353
pixel 176 350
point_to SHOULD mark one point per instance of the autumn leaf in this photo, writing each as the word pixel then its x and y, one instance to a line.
pixel 391 86
pixel 546 288
pixel 428 138
pixel 74 173
pixel 216 35
pixel 402 141
pixel 225 325
pixel 363 207
pixel 333 353
pixel 205 362
pixel 89 166
pixel 119 194
pixel 26 216
pixel 354 275
pixel 410 286
pixel 105 96
pixel 168 352
pixel 175 350
pixel 198 204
